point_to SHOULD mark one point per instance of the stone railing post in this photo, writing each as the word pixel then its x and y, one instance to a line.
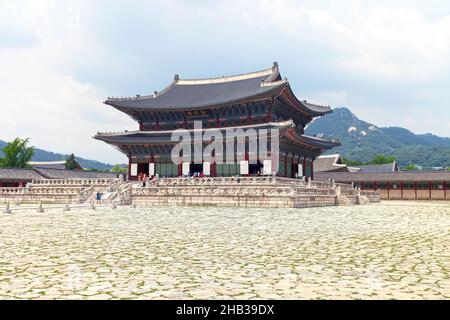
pixel 338 190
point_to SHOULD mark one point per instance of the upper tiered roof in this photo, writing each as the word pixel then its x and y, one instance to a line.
pixel 185 94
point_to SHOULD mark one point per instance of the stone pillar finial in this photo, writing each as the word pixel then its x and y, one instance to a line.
pixel 7 210
pixel 40 209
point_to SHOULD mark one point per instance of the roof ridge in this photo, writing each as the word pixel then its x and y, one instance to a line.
pixel 271 73
pixel 230 78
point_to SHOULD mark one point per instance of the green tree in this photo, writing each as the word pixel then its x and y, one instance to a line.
pixel 119 169
pixel 71 163
pixel 17 154
pixel 381 159
pixel 411 167
pixel 351 163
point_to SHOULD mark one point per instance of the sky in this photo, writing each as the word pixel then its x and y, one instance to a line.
pixel 388 61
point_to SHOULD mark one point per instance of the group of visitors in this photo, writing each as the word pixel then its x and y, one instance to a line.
pixel 145 178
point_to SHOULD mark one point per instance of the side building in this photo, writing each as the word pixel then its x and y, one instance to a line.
pixel 258 100
pixel 386 179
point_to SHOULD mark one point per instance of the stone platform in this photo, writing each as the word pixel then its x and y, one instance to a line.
pixel 262 192
pixel 256 192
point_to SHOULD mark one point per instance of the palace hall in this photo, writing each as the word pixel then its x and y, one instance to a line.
pixel 257 100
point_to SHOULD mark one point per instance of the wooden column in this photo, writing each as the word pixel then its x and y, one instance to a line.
pixel 415 190
pixel 213 169
pixel 430 186
pixel 401 190
pixel 129 167
pixel 304 166
pixel 444 185
pixel 445 190
pixel 389 189
pixel 312 169
pixel 285 166
pixel 292 167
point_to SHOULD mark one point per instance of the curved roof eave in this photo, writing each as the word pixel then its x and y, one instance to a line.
pixel 272 91
pixel 314 142
pixel 313 109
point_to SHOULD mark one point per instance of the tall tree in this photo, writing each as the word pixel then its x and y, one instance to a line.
pixel 119 169
pixel 71 163
pixel 17 154
pixel 381 159
pixel 350 163
pixel 411 167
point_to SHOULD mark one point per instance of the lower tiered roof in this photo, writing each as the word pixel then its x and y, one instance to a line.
pixel 287 129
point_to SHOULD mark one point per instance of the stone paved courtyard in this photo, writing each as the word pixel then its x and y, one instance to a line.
pixel 395 250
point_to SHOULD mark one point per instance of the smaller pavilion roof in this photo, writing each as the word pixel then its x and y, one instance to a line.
pixel 48 164
pixel 397 176
pixel 388 167
pixel 329 163
pixel 73 174
pixel 18 174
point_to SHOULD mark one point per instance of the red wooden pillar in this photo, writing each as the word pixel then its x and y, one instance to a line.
pixel 129 167
pixel 180 169
pixel 389 190
pixel 292 167
pixel 401 190
pixel 375 186
pixel 362 185
pixel 213 169
pixel 445 190
pixel 285 166
pixel 430 187
pixel 415 190
pixel 249 119
pixel 304 167
pixel 312 170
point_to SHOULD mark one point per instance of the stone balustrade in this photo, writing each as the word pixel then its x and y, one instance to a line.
pixel 75 182
pixel 264 191
pixel 211 181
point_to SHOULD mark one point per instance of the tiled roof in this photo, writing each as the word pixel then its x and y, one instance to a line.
pixel 398 176
pixel 160 137
pixel 16 174
pixel 389 167
pixel 73 174
pixel 201 93
pixel 329 163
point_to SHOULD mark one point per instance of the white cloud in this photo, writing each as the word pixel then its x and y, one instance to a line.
pixel 401 48
pixel 391 42
pixel 41 101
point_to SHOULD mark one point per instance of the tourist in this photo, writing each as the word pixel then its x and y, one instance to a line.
pixel 144 179
pixel 98 197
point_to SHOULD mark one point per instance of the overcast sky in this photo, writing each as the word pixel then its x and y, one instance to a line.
pixel 388 61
